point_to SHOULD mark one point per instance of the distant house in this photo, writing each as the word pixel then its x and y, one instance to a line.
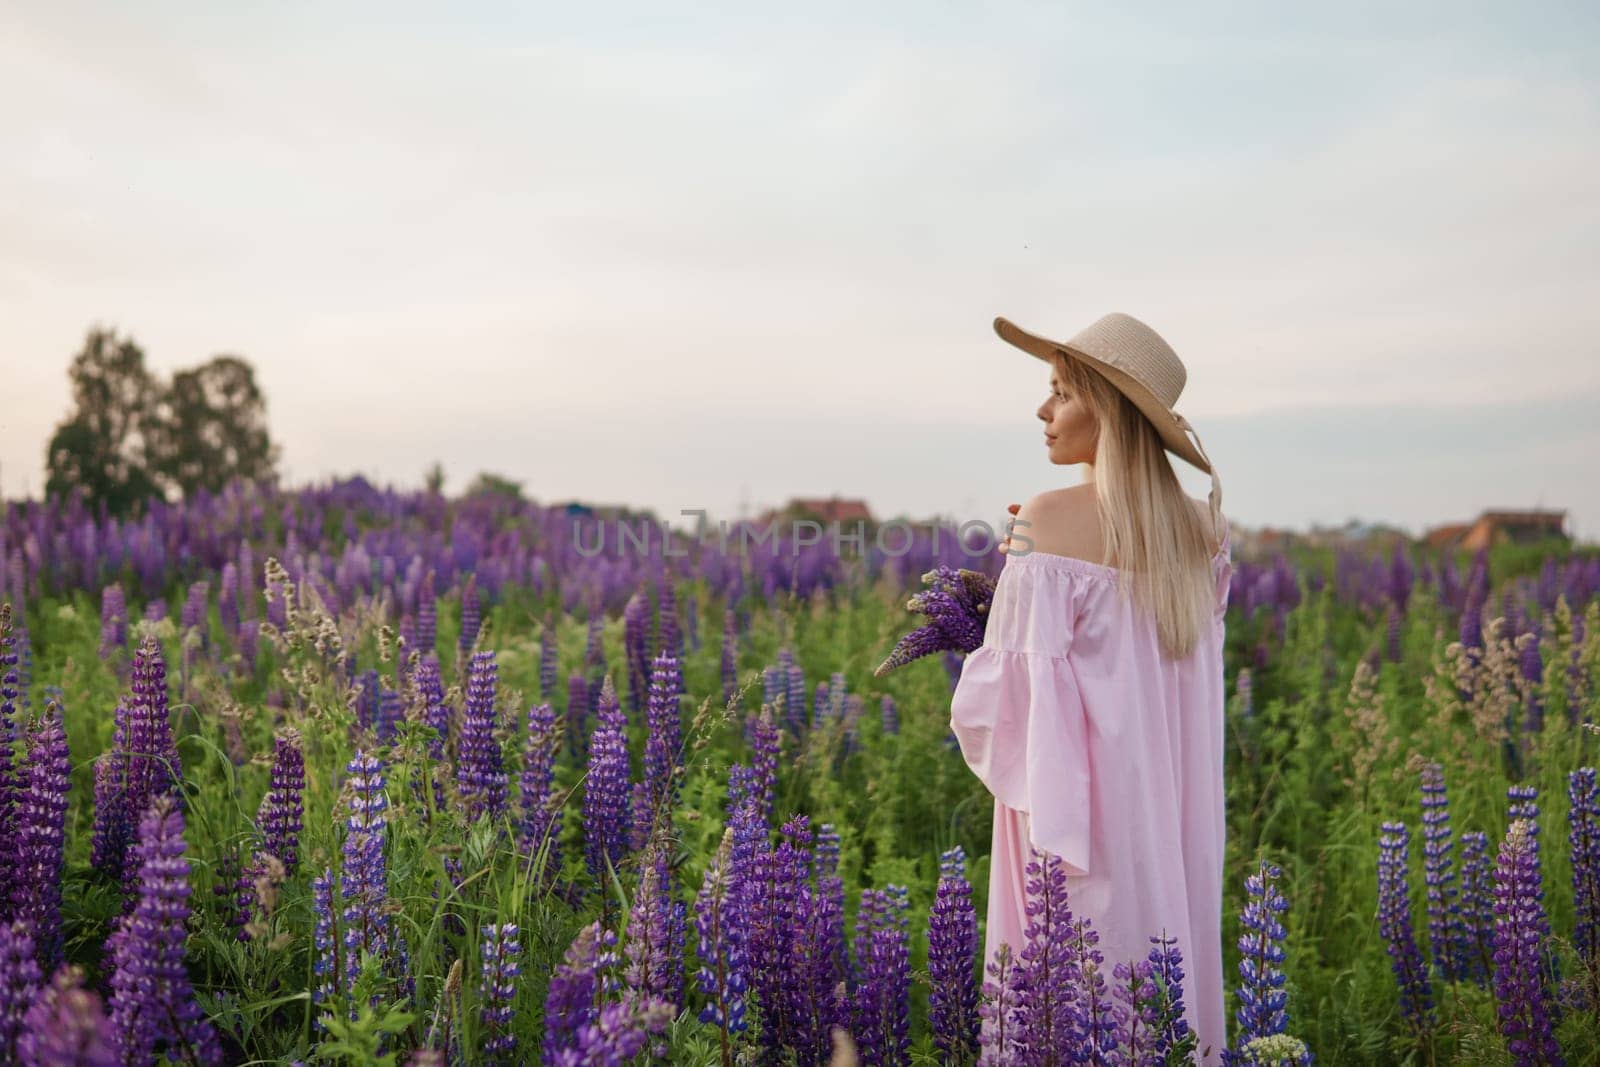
pixel 845 512
pixel 1499 527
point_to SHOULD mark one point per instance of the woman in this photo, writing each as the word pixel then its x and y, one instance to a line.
pixel 1093 709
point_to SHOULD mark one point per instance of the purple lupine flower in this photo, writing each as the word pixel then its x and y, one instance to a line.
pixel 369 699
pixel 434 714
pixel 66 1026
pixel 821 705
pixel 390 712
pixel 1394 925
pixel 794 713
pixel 142 764
pixel 427 617
pixel 765 739
pixel 952 950
pixel 1583 837
pixel 998 1035
pixel 480 775
pixel 325 965
pixel 882 1006
pixel 654 967
pixel 471 616
pixel 10 779
pixel 1392 631
pixel 1477 906
pixel 664 747
pixel 364 878
pixel 113 620
pixel 723 975
pixel 228 599
pixel 636 647
pixel 1045 1014
pixel 585 975
pixel 1521 994
pixel 1173 1035
pixel 498 989
pixel 956 604
pixel 618 1034
pixel 1523 804
pixel 193 616
pixel 1094 1018
pixel 19 982
pixel 1530 665
pixel 41 830
pixel 578 712
pixel 156 609
pixel 248 641
pixel 644 814
pixel 1138 1015
pixel 669 639
pixel 891 715
pixel 281 812
pixel 541 815
pixel 152 1000
pixel 1242 685
pixel 1446 932
pixel 1263 1004
pixel 607 796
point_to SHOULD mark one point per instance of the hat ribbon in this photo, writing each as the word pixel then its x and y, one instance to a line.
pixel 1216 482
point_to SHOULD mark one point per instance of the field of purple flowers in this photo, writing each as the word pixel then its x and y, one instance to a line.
pixel 350 776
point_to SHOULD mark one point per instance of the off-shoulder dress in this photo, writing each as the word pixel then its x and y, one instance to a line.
pixel 1100 750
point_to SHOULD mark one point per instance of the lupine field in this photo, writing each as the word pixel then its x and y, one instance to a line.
pixel 352 776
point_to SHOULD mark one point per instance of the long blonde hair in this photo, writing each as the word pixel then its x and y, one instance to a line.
pixel 1146 519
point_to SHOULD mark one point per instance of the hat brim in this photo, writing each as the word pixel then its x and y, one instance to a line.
pixel 1161 417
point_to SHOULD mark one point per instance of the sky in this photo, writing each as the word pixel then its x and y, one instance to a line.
pixel 722 258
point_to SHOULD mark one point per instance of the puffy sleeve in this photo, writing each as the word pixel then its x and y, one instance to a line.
pixel 1018 714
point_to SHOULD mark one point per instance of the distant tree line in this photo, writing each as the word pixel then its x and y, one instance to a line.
pixel 130 436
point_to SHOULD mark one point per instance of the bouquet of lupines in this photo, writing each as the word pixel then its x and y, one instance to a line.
pixel 956 603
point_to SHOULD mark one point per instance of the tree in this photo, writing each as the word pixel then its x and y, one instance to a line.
pixel 103 446
pixel 212 428
pixel 495 484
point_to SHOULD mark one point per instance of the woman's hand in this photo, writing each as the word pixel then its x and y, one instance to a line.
pixel 1005 544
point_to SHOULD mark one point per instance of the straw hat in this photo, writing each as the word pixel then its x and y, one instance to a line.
pixel 1139 362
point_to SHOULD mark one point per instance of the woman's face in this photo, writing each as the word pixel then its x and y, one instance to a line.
pixel 1070 429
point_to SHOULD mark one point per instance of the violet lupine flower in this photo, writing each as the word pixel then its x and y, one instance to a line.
pixel 142 764
pixel 1477 906
pixel 113 620
pixel 578 713
pixel 1446 932
pixel 430 690
pixel 1166 968
pixel 794 714
pixel 228 599
pixel 618 1034
pixel 1138 1013
pixel 547 663
pixel 390 712
pixel 956 604
pixel 66 1026
pixel 152 1000
pixel 1394 925
pixel 282 810
pixel 644 814
pixel 636 647
pixel 1393 629
pixel 19 982
pixel 369 699
pixel 764 742
pixel 669 639
pixel 498 989
pixel 480 776
pixel 654 954
pixel 427 617
pixel 607 795
pixel 471 616
pixel 1523 804
pixel 1094 1017
pixel 952 948
pixel 364 879
pixel 325 941
pixel 1521 994
pixel 1531 666
pixel 40 834
pixel 193 616
pixel 1045 975
pixel 997 1035
pixel 723 975
pixel 1583 837
pixel 881 1008
pixel 891 715
pixel 541 816
pixel 664 746
pixel 10 780
pixel 1263 1004
pixel 585 975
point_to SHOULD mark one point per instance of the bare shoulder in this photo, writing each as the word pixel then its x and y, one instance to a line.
pixel 1063 522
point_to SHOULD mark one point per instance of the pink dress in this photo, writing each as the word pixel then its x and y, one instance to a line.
pixel 1101 751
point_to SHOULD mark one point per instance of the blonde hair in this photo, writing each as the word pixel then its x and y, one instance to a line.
pixel 1147 521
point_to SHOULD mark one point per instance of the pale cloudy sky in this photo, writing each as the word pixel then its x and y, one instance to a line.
pixel 720 258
